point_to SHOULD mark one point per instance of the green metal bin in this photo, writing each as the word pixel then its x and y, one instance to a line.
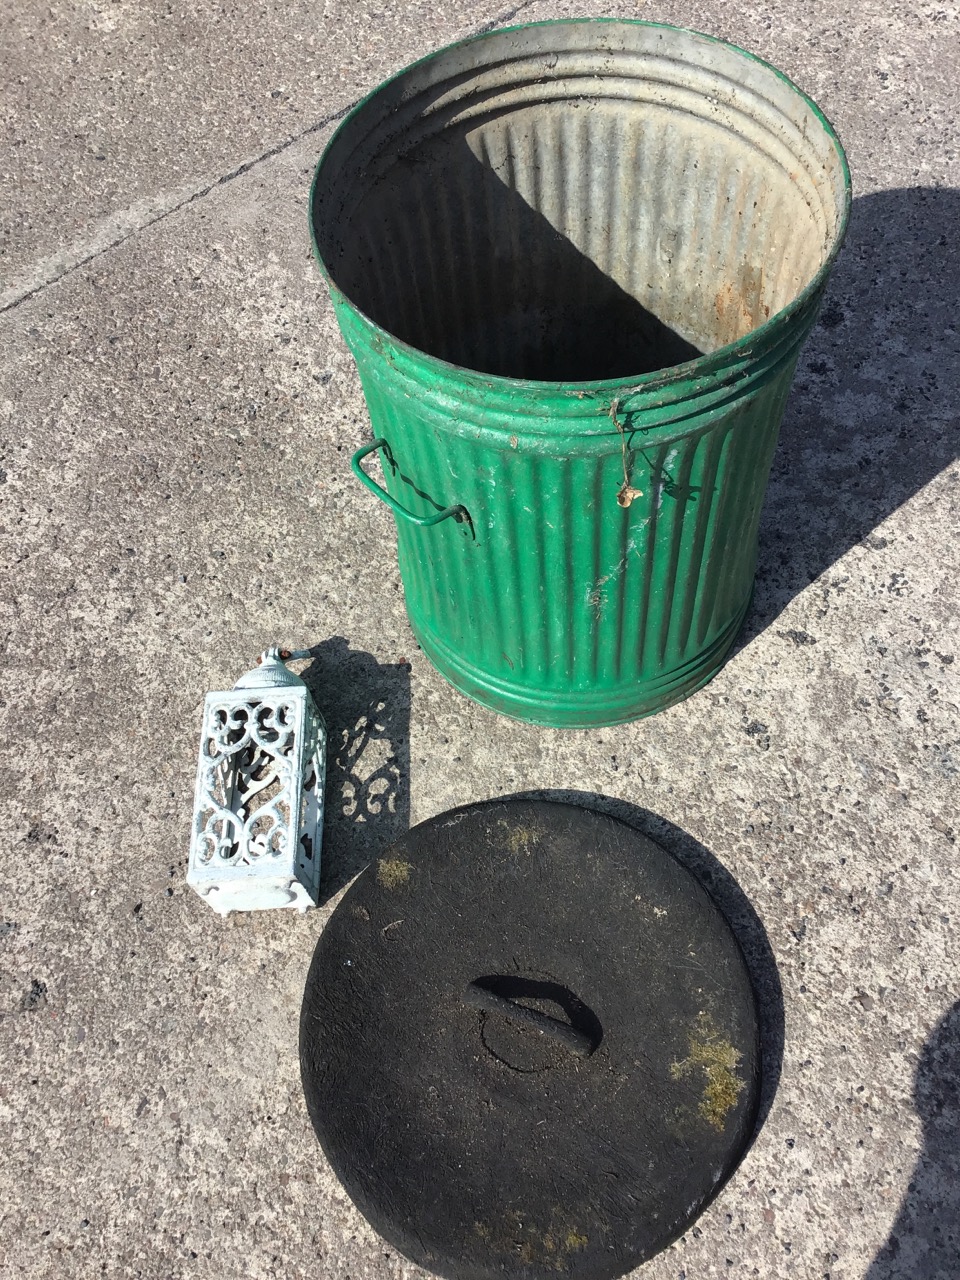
pixel 575 263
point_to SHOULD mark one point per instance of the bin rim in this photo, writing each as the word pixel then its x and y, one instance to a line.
pixel 609 390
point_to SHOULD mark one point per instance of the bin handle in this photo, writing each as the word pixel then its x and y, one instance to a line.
pixel 458 512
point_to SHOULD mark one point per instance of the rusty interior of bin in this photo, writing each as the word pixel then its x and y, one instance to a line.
pixel 576 202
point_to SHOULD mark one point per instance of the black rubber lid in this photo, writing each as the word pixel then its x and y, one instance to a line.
pixel 529 1044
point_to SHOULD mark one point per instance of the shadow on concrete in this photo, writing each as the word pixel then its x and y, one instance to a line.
pixel 732 901
pixel 924 1242
pixel 366 705
pixel 874 414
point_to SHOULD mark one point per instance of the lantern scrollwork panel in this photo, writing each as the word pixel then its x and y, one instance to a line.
pixel 258 809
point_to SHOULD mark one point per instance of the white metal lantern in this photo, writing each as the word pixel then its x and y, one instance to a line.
pixel 258 812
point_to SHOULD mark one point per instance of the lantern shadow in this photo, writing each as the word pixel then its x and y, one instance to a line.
pixel 736 908
pixel 366 706
pixel 924 1242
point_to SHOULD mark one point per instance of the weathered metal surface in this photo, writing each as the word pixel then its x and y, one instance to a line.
pixel 576 262
pixel 258 812
pixel 529 1045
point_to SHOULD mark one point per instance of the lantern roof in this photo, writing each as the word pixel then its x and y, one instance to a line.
pixel 270 671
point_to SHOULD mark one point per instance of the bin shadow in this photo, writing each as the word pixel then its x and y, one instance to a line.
pixel 924 1243
pixel 366 706
pixel 739 912
pixel 874 413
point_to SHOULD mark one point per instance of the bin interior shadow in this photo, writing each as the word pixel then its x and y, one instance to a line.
pixel 733 903
pixel 924 1243
pixel 875 410
pixel 366 706
pixel 446 256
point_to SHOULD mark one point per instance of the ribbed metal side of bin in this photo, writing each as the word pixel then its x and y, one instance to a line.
pixel 575 263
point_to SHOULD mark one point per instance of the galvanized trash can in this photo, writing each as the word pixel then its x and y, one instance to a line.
pixel 575 263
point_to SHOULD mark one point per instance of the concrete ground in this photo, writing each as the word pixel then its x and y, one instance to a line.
pixel 179 412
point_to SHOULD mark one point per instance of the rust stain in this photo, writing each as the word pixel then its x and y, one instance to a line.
pixel 735 316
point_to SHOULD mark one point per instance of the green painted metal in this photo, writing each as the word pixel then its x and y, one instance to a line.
pixel 609 198
pixel 398 509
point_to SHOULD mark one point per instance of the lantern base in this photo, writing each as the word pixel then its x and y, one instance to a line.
pixel 250 894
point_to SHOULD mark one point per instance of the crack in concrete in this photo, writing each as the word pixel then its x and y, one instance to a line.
pixel 12 299
pixel 503 17
pixel 31 291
